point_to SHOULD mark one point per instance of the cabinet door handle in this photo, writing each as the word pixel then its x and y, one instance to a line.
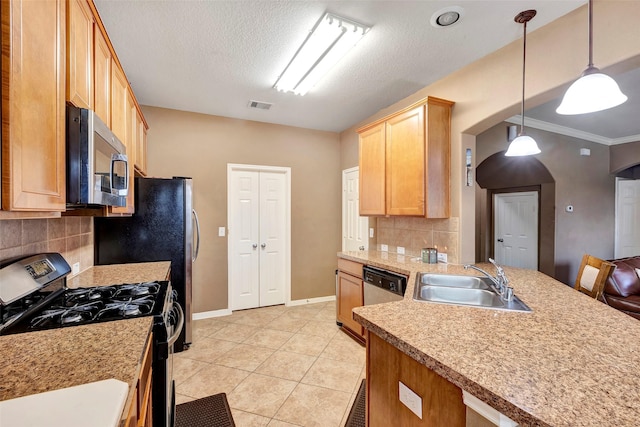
pixel 264 245
pixel 501 240
pixel 255 245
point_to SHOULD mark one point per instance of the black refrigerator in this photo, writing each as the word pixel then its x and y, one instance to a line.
pixel 164 227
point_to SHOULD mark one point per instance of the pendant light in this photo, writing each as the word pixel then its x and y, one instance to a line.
pixel 523 145
pixel 593 91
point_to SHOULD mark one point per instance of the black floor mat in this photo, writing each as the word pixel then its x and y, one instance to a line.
pixel 211 411
pixel 356 415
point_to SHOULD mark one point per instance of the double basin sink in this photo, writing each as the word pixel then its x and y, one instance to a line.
pixel 463 290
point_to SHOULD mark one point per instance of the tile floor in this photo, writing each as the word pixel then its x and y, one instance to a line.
pixel 280 366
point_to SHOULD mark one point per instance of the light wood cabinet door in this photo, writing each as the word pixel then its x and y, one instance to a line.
pixel 405 161
pixel 141 145
pixel 79 54
pixel 372 171
pixel 33 105
pixel 438 157
pixel 442 403
pixel 130 135
pixel 119 107
pixel 102 76
pixel 349 296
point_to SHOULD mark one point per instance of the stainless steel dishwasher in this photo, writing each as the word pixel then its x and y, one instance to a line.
pixel 382 285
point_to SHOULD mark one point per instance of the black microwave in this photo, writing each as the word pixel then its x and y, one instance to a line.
pixel 97 165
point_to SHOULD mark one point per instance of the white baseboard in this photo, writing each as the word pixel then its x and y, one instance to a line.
pixel 310 300
pixel 210 314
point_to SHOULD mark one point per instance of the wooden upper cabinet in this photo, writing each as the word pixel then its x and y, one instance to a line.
pixel 33 105
pixel 130 135
pixel 141 146
pixel 119 106
pixel 405 162
pixel 372 171
pixel 102 76
pixel 80 24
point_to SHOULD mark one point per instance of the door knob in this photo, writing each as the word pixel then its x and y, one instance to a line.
pixel 255 245
pixel 361 248
pixel 500 240
pixel 264 245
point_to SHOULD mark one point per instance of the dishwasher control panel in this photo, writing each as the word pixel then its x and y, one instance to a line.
pixel 384 279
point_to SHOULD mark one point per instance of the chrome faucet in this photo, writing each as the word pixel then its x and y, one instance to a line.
pixel 500 282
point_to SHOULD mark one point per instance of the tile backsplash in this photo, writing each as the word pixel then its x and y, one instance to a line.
pixel 413 234
pixel 71 236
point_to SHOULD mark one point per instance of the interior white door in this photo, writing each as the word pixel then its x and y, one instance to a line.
pixel 244 214
pixel 258 238
pixel 627 241
pixel 516 229
pixel 354 227
pixel 272 243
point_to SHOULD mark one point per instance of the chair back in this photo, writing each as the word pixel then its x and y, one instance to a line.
pixel 592 276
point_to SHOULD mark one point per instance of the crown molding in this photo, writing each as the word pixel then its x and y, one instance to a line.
pixel 567 131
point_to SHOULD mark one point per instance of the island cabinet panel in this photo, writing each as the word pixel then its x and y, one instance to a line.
pixel 349 294
pixel 33 107
pixel 80 24
pixel 372 171
pixel 102 77
pixel 442 403
pixel 405 162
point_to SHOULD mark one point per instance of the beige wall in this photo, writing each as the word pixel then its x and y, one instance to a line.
pixel 488 91
pixel 70 236
pixel 583 182
pixel 624 156
pixel 201 146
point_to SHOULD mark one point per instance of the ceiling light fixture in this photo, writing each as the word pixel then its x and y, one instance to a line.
pixel 523 145
pixel 593 91
pixel 330 39
pixel 447 16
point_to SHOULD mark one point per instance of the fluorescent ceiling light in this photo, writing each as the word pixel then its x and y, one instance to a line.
pixel 331 38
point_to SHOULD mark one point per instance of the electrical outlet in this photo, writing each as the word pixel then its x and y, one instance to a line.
pixel 221 231
pixel 384 248
pixel 442 257
pixel 400 250
pixel 371 232
pixel 75 269
pixel 410 399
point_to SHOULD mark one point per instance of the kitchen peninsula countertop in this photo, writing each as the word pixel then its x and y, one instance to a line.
pixel 573 361
pixel 40 361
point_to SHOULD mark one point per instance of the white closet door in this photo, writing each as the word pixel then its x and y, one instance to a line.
pixel 272 238
pixel 245 211
pixel 516 229
pixel 627 218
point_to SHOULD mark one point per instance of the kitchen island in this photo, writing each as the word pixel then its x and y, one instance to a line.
pixel 572 361
pixel 41 361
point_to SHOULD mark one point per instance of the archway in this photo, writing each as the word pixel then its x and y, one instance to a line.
pixel 501 174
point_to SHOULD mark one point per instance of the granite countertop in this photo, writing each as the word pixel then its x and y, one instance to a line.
pixel 105 275
pixel 41 361
pixel 573 361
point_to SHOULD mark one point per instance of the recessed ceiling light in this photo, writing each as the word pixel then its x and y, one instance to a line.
pixel 447 16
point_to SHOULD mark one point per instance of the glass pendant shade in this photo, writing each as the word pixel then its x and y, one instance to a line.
pixel 594 91
pixel 523 145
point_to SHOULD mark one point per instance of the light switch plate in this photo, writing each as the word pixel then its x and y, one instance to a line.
pixel 442 257
pixel 371 232
pixel 221 231
pixel 410 399
pixel 384 248
pixel 400 250
pixel 75 268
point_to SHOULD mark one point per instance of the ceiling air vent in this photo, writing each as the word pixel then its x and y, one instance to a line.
pixel 260 105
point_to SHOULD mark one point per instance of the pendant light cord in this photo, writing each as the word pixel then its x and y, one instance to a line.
pixel 524 59
pixel 590 34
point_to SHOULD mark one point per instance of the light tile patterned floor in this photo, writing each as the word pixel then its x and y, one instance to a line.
pixel 280 366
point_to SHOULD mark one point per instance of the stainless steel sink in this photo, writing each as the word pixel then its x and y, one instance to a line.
pixel 463 290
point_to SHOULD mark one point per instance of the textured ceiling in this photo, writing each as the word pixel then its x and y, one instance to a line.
pixel 213 57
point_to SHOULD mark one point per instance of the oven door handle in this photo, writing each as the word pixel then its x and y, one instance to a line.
pixel 176 333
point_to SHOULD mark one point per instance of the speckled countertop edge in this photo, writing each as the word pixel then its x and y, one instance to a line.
pixel 106 275
pixel 552 367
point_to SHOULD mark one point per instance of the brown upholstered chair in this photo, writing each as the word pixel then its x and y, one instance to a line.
pixel 593 275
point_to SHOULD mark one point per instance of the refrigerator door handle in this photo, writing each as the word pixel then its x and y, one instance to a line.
pixel 195 216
